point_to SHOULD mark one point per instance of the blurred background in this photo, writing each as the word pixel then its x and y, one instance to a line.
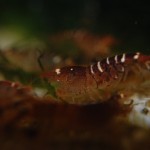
pixel 128 20
pixel 45 34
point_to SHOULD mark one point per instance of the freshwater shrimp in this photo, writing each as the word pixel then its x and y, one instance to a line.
pixel 99 81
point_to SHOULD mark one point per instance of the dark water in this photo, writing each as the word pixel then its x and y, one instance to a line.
pixel 127 20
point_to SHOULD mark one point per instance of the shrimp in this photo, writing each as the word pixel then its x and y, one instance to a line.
pixel 99 81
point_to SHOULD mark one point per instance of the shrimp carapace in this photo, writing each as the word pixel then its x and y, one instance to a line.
pixel 97 82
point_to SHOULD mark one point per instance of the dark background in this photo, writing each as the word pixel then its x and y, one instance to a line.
pixel 127 20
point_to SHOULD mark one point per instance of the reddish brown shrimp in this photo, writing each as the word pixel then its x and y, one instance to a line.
pixel 99 81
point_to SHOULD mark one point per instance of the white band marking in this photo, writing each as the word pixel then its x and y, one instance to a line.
pixel 99 66
pixel 123 58
pixel 107 60
pixel 57 71
pixel 91 68
pixel 136 56
pixel 116 59
pixel 148 65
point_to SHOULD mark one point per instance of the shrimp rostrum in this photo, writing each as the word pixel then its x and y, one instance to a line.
pixel 99 81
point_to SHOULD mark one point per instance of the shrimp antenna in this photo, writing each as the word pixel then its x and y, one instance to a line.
pixel 41 54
